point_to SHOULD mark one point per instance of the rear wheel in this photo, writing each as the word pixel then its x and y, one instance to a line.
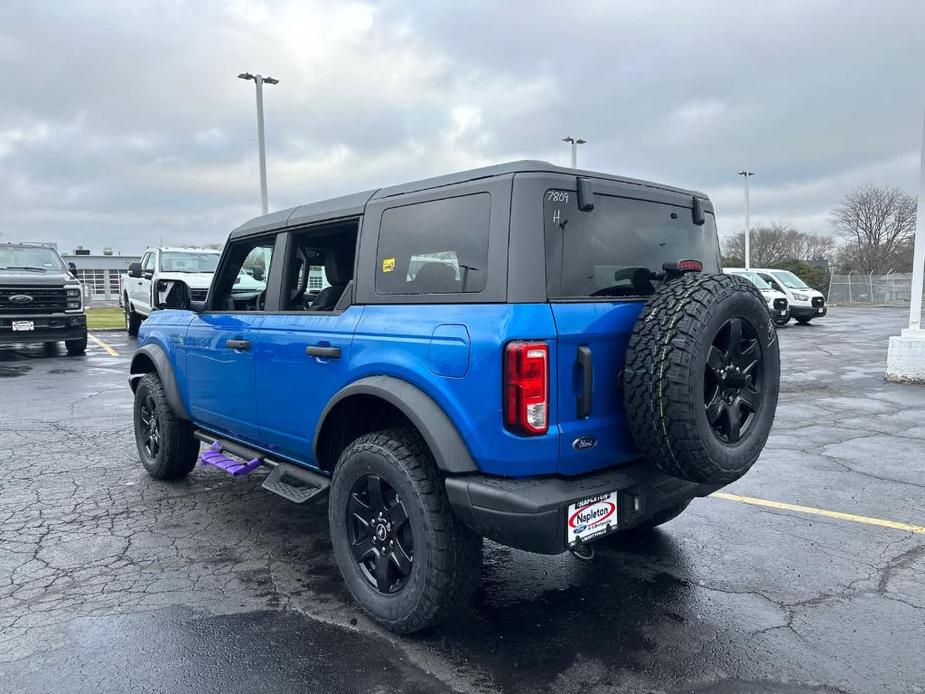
pixel 702 377
pixel 132 319
pixel 166 445
pixel 405 557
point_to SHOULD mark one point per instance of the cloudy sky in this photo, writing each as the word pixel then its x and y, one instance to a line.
pixel 122 124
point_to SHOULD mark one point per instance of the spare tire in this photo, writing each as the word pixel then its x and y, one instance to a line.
pixel 702 377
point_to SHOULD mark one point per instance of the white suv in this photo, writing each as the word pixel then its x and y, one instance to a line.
pixel 778 305
pixel 805 302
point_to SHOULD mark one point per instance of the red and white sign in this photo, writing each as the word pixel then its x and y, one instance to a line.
pixel 591 517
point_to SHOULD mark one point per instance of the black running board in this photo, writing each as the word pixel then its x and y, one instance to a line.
pixel 292 482
pixel 296 483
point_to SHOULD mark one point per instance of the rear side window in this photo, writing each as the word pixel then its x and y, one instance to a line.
pixel 438 247
pixel 618 248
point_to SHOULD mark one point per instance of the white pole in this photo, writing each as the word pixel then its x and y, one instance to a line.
pixel 574 154
pixel 261 145
pixel 918 253
pixel 748 229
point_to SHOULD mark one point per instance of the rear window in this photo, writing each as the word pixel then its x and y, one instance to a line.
pixel 438 247
pixel 618 248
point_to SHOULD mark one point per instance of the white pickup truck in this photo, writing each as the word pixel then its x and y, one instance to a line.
pixel 192 266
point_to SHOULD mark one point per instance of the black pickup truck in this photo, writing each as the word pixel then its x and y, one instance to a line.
pixel 40 299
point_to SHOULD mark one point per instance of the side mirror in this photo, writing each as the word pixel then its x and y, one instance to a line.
pixel 72 268
pixel 171 294
pixel 134 270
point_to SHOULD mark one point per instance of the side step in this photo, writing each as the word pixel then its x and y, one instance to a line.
pixel 296 483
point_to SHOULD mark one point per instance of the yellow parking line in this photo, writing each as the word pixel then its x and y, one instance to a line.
pixel 110 350
pixel 821 512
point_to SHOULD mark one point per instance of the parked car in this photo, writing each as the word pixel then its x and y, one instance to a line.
pixel 193 267
pixel 778 305
pixel 41 300
pixel 544 357
pixel 805 302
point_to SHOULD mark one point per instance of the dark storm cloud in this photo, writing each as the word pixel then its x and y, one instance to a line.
pixel 124 124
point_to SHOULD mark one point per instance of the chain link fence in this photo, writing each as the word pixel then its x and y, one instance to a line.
pixel 892 289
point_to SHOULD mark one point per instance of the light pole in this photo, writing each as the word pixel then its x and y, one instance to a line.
pixel 260 80
pixel 574 142
pixel 748 224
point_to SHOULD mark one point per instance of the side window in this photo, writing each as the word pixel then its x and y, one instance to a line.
pixel 321 267
pixel 242 281
pixel 438 247
pixel 148 264
pixel 774 285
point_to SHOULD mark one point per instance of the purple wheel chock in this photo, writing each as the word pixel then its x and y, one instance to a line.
pixel 213 456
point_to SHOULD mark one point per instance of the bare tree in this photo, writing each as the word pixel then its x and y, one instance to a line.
pixel 780 243
pixel 877 225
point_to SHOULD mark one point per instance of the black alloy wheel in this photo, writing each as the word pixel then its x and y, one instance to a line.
pixel 380 536
pixel 732 380
pixel 150 427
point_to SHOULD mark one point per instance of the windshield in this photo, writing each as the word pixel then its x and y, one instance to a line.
pixel 33 258
pixel 790 280
pixel 619 247
pixel 177 261
pixel 754 278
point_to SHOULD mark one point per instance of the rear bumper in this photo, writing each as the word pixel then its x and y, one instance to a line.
pixel 530 514
pixel 47 328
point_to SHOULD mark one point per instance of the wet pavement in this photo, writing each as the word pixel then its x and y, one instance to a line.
pixel 111 581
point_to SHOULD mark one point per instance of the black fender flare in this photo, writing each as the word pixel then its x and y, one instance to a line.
pixel 439 432
pixel 156 355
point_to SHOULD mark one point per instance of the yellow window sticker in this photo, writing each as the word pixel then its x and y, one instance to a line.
pixel 388 264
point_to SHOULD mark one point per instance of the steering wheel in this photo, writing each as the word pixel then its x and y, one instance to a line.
pixel 260 301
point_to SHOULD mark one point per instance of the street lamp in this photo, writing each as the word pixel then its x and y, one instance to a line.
pixel 260 80
pixel 574 142
pixel 748 226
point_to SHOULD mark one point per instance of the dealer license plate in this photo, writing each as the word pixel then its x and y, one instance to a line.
pixel 784 312
pixel 22 326
pixel 821 310
pixel 591 517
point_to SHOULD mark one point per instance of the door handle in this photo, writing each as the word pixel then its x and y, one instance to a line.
pixel 323 352
pixel 586 365
pixel 242 345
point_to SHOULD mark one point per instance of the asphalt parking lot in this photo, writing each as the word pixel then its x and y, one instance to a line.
pixel 110 581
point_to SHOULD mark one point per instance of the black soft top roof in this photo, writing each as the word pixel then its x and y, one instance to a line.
pixel 353 205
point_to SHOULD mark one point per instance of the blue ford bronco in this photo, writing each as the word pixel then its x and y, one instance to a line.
pixel 540 356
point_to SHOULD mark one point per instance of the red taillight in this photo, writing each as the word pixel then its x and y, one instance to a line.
pixel 690 265
pixel 526 387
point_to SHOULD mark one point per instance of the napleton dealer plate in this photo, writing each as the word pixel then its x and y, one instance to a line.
pixel 591 517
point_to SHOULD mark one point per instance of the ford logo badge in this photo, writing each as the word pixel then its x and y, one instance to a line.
pixel 20 299
pixel 584 442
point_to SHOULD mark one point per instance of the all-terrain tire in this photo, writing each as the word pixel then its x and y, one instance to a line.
pixel 670 378
pixel 132 320
pixel 447 555
pixel 177 449
pixel 76 347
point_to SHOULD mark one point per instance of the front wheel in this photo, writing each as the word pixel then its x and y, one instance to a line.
pixel 132 320
pixel 166 445
pixel 76 347
pixel 404 556
pixel 804 321
pixel 780 322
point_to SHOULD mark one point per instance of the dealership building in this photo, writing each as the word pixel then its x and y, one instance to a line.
pixel 100 274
